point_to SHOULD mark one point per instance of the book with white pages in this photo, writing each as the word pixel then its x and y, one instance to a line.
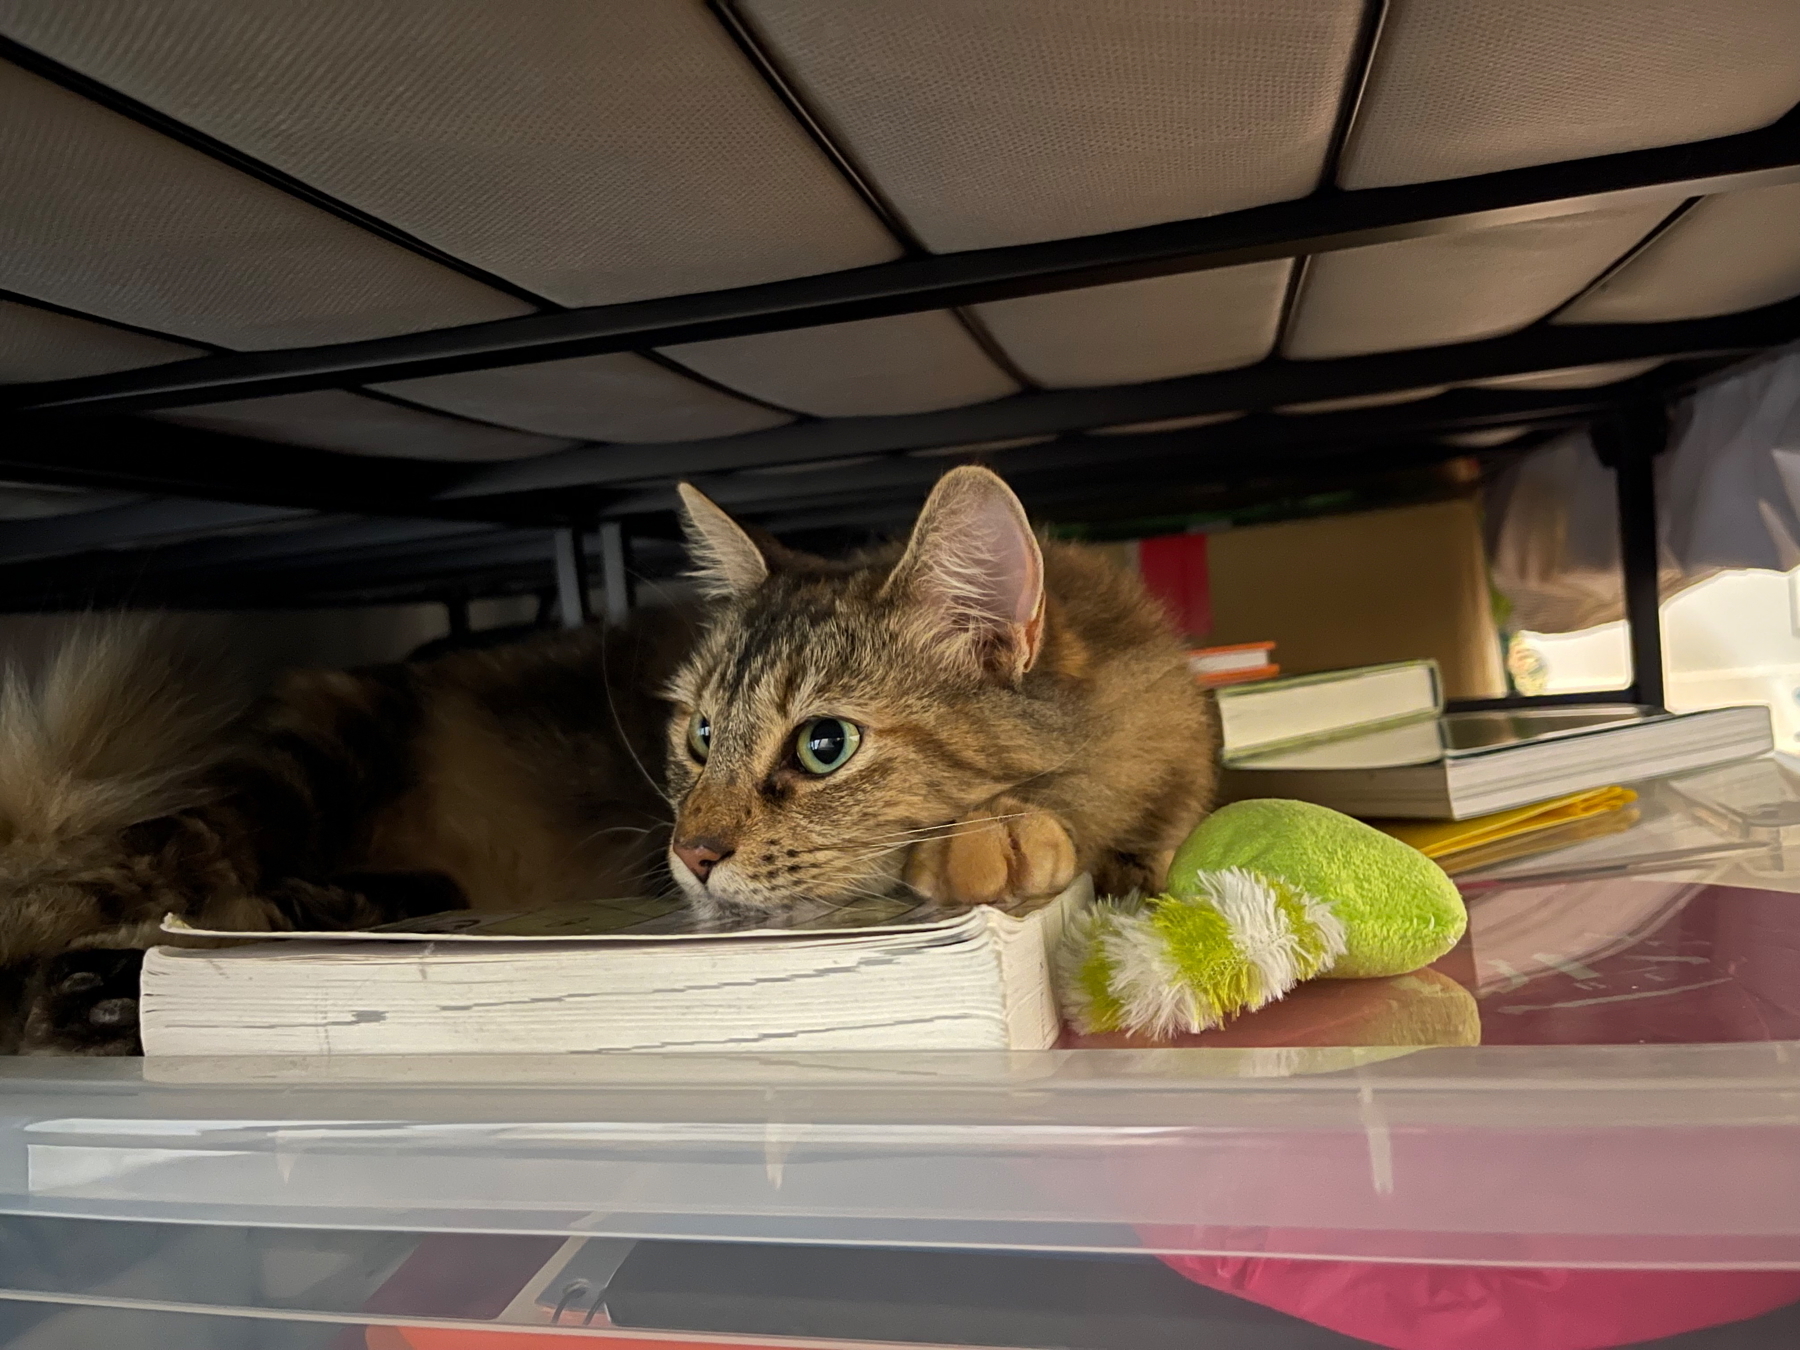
pixel 1302 709
pixel 1468 764
pixel 617 975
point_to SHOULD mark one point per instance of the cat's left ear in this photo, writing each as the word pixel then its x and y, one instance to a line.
pixel 727 561
pixel 975 571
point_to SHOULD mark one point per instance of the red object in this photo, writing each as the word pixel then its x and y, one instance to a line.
pixel 1174 568
pixel 1410 1307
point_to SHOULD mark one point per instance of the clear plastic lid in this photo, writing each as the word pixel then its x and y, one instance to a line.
pixel 1606 1074
pixel 1684 1156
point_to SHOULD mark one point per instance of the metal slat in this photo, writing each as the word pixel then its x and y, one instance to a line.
pixel 1325 222
pixel 139 455
pixel 1270 384
pixel 132 526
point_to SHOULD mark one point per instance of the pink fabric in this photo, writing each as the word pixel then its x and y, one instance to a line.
pixel 1415 1307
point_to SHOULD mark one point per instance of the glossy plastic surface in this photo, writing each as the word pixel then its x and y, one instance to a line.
pixel 1582 1134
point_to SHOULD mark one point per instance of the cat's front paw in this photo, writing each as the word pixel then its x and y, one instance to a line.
pixel 84 1002
pixel 1005 852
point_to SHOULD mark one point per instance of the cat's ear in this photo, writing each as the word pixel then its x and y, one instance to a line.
pixel 974 571
pixel 727 561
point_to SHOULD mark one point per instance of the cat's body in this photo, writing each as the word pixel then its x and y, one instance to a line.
pixel 1008 717
pixel 135 783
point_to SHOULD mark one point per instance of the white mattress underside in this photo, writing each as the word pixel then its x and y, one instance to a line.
pixel 589 152
pixel 599 153
pixel 1461 87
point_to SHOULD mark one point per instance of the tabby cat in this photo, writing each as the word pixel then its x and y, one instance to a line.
pixel 976 716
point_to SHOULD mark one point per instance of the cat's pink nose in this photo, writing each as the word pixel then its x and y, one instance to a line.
pixel 700 856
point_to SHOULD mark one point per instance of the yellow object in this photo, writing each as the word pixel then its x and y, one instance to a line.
pixel 1439 839
pixel 1557 837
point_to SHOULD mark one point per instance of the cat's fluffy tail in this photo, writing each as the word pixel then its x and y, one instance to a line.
pixel 118 728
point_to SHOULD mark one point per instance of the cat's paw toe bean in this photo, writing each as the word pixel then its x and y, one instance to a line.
pixel 995 857
pixel 978 865
pixel 84 1002
pixel 1043 856
pixel 80 982
pixel 114 1013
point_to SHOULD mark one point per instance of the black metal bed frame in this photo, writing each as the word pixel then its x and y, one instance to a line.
pixel 405 524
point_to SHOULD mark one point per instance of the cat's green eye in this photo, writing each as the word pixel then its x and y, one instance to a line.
pixel 699 736
pixel 826 744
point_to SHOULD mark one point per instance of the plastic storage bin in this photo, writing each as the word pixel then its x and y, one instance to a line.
pixel 1582 1179
pixel 284 1193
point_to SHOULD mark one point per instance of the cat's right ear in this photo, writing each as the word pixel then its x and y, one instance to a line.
pixel 727 561
pixel 973 572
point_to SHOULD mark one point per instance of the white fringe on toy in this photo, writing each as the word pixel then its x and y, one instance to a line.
pixel 1145 981
pixel 1258 927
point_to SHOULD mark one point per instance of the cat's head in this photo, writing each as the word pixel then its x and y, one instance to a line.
pixel 835 713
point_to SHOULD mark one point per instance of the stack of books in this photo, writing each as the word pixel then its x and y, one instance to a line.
pixel 1470 789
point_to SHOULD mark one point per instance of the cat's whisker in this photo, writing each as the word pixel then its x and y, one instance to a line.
pixel 641 831
pixel 875 855
pixel 612 708
pixel 876 850
pixel 950 827
pixel 856 893
pixel 938 837
pixel 639 878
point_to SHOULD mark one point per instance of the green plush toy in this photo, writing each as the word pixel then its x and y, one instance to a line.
pixel 1263 895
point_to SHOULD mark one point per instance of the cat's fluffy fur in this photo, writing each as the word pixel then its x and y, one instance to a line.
pixel 135 782
pixel 122 728
pixel 1025 713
